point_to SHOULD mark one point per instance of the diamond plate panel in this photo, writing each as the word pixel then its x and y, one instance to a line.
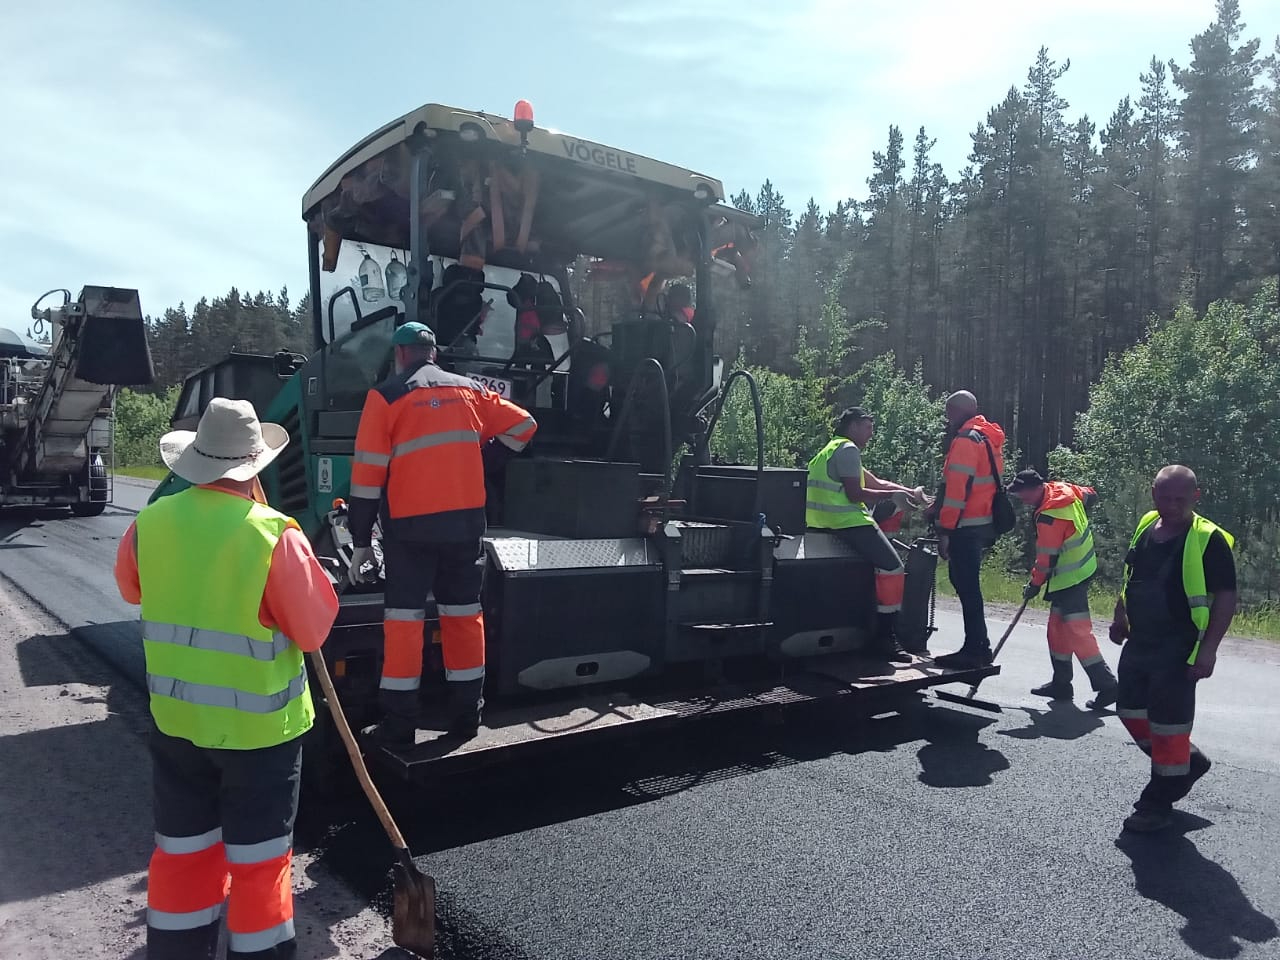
pixel 813 546
pixel 705 545
pixel 519 554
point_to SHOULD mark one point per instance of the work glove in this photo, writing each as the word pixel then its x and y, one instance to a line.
pixel 359 557
pixel 1030 591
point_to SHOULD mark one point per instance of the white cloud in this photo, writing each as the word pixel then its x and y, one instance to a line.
pixel 143 147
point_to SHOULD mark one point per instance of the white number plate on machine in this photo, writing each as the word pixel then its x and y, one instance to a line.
pixel 499 386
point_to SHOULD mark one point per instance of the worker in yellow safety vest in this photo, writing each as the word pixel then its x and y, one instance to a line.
pixel 1065 563
pixel 231 597
pixel 840 493
pixel 1178 599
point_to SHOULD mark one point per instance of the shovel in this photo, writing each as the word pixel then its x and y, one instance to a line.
pixel 413 918
pixel 970 700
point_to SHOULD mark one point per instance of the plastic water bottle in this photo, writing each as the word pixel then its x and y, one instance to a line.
pixel 397 276
pixel 371 288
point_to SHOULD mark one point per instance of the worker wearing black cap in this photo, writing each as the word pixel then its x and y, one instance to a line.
pixel 839 494
pixel 1065 560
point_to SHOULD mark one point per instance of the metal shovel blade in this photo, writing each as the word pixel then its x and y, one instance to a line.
pixel 413 917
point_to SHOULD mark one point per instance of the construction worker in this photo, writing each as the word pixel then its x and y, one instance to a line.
pixel 839 492
pixel 680 303
pixel 1178 599
pixel 419 458
pixel 1065 560
pixel 231 598
pixel 963 515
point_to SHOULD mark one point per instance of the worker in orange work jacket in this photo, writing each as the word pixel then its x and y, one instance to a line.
pixel 963 515
pixel 1065 562
pixel 231 598
pixel 421 448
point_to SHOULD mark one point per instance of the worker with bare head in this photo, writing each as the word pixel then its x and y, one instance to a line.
pixel 1175 494
pixel 961 406
pixel 1178 599
pixel 964 515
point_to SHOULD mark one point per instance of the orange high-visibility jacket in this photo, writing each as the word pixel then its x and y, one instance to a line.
pixel 419 441
pixel 1053 532
pixel 969 487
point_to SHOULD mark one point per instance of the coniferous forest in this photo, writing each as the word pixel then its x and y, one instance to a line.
pixel 1106 286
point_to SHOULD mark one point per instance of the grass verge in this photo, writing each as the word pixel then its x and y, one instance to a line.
pixel 143 473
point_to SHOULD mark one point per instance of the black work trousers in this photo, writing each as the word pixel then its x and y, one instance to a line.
pixel 1157 705
pixel 454 573
pixel 224 834
pixel 964 569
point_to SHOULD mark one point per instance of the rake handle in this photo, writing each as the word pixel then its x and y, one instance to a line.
pixel 1012 623
pixel 353 751
pixel 995 653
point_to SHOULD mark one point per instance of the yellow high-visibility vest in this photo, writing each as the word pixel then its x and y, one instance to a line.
pixel 216 676
pixel 1192 569
pixel 827 506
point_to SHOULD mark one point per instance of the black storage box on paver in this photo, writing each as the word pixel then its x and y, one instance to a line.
pixel 728 492
pixel 581 499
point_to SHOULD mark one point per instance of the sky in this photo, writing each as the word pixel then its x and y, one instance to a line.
pixel 166 144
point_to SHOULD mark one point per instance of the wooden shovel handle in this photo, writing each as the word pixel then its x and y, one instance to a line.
pixel 353 751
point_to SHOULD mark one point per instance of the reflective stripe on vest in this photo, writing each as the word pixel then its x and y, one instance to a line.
pixel 1192 569
pixel 1077 561
pixel 827 506
pixel 217 677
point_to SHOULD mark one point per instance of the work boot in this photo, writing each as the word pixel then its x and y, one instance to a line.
pixel 466 707
pixel 394 733
pixel 1059 688
pixel 885 644
pixel 398 728
pixel 1104 685
pixel 968 657
pixel 1105 698
pixel 1054 690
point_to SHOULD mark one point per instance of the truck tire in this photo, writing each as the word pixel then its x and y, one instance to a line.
pixel 98 489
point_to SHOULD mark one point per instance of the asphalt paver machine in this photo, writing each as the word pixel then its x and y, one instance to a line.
pixel 631 583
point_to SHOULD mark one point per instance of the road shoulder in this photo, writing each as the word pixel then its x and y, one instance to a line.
pixel 77 798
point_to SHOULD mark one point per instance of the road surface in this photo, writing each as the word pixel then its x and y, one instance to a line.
pixel 936 833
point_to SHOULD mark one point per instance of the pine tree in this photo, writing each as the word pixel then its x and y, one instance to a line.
pixel 1219 114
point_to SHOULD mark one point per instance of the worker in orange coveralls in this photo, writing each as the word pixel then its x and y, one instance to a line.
pixel 1065 560
pixel 424 437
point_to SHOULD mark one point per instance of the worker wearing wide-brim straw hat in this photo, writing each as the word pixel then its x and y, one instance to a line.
pixel 232 596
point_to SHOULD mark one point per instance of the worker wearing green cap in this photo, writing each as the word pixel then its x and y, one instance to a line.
pixel 419 460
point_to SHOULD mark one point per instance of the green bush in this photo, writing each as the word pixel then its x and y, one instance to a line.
pixel 141 419
pixel 1200 391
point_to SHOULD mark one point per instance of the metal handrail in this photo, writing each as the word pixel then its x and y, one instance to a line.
pixel 627 404
pixel 759 415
